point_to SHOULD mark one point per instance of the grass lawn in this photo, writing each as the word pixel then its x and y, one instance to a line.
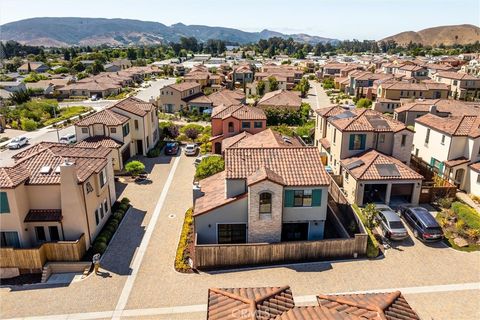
pixel 67 113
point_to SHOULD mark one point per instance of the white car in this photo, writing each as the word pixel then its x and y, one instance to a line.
pixel 17 143
pixel 68 139
pixel 191 149
pixel 200 158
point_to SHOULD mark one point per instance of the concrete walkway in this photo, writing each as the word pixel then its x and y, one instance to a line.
pixel 465 198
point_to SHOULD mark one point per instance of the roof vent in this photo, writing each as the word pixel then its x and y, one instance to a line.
pixel 45 169
pixel 57 169
pixel 286 139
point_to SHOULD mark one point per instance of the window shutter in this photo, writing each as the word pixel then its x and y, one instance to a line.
pixel 440 167
pixel 289 198
pixel 352 142
pixel 362 141
pixel 432 161
pixel 316 197
pixel 4 207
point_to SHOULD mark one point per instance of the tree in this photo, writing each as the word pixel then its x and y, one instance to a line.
pixel 370 212
pixel 66 55
pixel 303 86
pixel 209 166
pixel 261 87
pixel 131 54
pixel 19 97
pixel 28 124
pixel 328 84
pixel 172 131
pixel 135 167
pixel 272 83
pixel 364 103
pixel 192 133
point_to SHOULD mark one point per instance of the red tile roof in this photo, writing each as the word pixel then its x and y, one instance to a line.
pixel 451 107
pixel 134 105
pixel 298 166
pixel 367 166
pixel 35 148
pixel 267 139
pixel 233 140
pixel 10 177
pixel 43 215
pixel 106 117
pixel 241 112
pixel 97 141
pixel 454 126
pixel 184 86
pixel 254 303
pixel 264 174
pixel 281 99
pixel 365 120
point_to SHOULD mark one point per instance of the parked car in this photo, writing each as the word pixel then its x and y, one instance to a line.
pixel 171 148
pixel 390 223
pixel 200 158
pixel 423 224
pixel 191 149
pixel 17 143
pixel 68 139
pixel 94 97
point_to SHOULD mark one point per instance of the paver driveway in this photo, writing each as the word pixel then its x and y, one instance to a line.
pixel 439 282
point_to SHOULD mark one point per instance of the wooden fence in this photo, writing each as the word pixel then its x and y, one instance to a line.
pixel 35 258
pixel 224 255
pixel 430 194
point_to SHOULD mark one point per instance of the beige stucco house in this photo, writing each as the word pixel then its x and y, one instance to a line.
pixel 55 192
pixel 129 127
pixel 343 133
pixel 264 195
pixel 396 90
pixel 451 146
pixel 463 86
pixel 175 97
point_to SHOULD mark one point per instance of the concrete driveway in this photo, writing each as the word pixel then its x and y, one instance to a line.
pixel 140 281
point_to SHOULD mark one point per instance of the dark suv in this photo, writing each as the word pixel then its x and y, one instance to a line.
pixel 423 224
pixel 171 148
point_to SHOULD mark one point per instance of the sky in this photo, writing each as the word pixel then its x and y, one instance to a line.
pixel 340 19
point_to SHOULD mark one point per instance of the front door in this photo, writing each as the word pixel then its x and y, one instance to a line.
pixel 218 147
pixel 295 231
pixel 459 177
pixel 139 147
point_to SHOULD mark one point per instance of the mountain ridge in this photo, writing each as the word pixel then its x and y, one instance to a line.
pixel 66 31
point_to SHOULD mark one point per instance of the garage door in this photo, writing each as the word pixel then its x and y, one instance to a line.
pixel 401 193
pixel 126 154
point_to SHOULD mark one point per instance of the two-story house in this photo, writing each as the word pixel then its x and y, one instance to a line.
pixel 451 145
pixel 228 121
pixel 463 86
pixel 396 90
pixel 280 99
pixel 263 195
pixel 55 193
pixel 129 127
pixel 174 97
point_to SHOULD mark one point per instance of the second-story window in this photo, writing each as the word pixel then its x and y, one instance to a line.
pixel 404 140
pixel 136 124
pixel 231 127
pixel 113 130
pixel 427 136
pixel 357 142
pixel 443 139
pixel 258 124
pixel 103 177
pixel 265 202
pixel 4 207
pixel 302 198
pixel 84 130
pixel 245 125
pixel 126 129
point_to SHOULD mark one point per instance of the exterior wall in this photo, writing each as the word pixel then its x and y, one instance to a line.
pixel 206 224
pixel 402 153
pixel 19 205
pixel 434 148
pixel 473 152
pixel 395 94
pixel 234 187
pixel 360 185
pixel 298 214
pixel 169 96
pixel 472 185
pixel 265 228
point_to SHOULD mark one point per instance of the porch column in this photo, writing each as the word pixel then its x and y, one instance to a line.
pixel 387 193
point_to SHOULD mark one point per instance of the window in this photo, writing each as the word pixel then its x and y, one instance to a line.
pixel 334 135
pixel 113 130
pixel 105 205
pixel 84 130
pixel 40 233
pixel 136 124
pixel 245 125
pixel 357 142
pixel 381 138
pixel 401 93
pixel 265 202
pixel 126 129
pixel 404 140
pixel 231 127
pixel 4 206
pixel 346 176
pixel 9 239
pixel 232 233
pixel 89 187
pixel 103 177
pixel 258 124
pixel 302 198
pixel 427 137
pixel 102 214
pixel 97 217
pixel 151 116
pixel 478 178
pixel 54 235
pixel 443 139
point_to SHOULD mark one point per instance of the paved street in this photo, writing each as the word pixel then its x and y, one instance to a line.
pixel 317 98
pixel 154 90
pixel 139 280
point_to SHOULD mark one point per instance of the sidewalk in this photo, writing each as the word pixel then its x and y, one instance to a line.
pixel 465 198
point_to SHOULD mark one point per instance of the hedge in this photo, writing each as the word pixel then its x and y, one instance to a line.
pixel 105 236
pixel 372 243
pixel 467 214
pixel 183 252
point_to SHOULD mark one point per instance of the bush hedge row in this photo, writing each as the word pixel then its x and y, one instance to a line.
pixel 467 214
pixel 372 243
pixel 183 252
pixel 103 238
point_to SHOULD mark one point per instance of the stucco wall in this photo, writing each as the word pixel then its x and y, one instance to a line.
pixel 297 214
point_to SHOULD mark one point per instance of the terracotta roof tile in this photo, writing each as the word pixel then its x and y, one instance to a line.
pixel 106 117
pixel 264 174
pixel 134 105
pixel 182 86
pixel 369 164
pixel 42 215
pixel 97 141
pixel 281 99
pixel 475 166
pixel 241 112
pixel 35 148
pixel 365 120
pixel 450 107
pixel 10 177
pixel 234 140
pixel 267 139
pixel 456 162
pixel 298 166
pixel 455 125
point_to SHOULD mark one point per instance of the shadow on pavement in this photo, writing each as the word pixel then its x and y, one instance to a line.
pixel 121 249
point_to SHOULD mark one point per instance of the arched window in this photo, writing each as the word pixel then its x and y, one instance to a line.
pixel 265 202
pixel 230 127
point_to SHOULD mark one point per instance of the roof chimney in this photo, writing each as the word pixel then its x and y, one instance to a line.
pixel 433 109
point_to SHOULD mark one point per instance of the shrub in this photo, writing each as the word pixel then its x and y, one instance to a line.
pixel 123 207
pixel 445 202
pixel 99 247
pixel 328 84
pixel 110 228
pixel 28 124
pixel 372 243
pixel 364 103
pixel 125 200
pixel 183 253
pixel 135 167
pixel 192 133
pixel 113 223
pixel 195 126
pixel 106 235
pixel 467 214
pixel 472 233
pixel 118 215
pixel 14 124
pixel 209 166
